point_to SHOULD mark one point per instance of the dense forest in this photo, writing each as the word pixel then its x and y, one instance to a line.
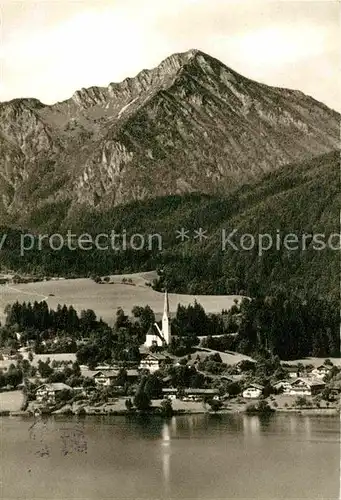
pixel 303 200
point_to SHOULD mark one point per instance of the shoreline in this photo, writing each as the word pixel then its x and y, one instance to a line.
pixel 176 413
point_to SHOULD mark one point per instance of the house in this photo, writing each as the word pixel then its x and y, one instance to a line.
pixel 335 388
pixel 320 372
pixel 105 377
pixel 253 391
pixel 23 350
pixel 86 373
pixel 152 362
pixel 170 393
pixel 106 366
pixel 133 375
pixel 199 394
pixel 293 372
pixel 306 387
pixel 190 394
pixel 47 393
pixel 8 354
pixel 167 381
pixel 284 386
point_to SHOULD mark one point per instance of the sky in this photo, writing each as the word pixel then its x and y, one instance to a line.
pixel 51 48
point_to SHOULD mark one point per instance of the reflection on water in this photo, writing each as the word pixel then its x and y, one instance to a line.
pixel 166 452
pixel 251 427
pixel 192 456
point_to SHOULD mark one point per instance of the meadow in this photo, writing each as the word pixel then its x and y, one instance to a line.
pixel 11 400
pixel 104 299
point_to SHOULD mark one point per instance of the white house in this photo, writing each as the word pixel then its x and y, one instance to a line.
pixel 47 393
pixel 306 387
pixel 199 394
pixel 152 362
pixel 106 366
pixel 105 377
pixel 320 372
pixel 293 372
pixel 170 393
pixel 254 391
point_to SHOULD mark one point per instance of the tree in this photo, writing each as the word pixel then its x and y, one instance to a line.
pixel 88 320
pixel 89 383
pixel 122 377
pixel 129 404
pixel 146 317
pixel 44 369
pixel 63 396
pixel 215 404
pixel 233 389
pixel 153 387
pixel 122 320
pixel 88 355
pixel 166 408
pixel 142 401
pixel 25 366
pixel 57 377
pixel 76 369
pixel 327 362
pixel 13 376
pixel 302 401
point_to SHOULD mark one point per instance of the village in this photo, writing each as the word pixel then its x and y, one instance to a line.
pixel 110 389
pixel 155 380
pixel 79 365
pixel 298 390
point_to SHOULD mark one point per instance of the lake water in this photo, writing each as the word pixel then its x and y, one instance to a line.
pixel 189 457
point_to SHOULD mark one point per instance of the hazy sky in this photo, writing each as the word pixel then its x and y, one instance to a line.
pixel 51 48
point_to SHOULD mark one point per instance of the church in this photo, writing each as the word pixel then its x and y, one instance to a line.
pixel 157 337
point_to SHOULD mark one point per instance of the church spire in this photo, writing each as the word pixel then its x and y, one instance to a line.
pixel 166 305
pixel 166 331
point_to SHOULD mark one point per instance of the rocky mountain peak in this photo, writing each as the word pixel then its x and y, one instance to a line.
pixel 147 80
pixel 189 124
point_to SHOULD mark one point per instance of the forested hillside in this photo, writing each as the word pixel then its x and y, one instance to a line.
pixel 299 199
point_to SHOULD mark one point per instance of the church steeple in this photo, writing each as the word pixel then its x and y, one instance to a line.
pixel 163 337
pixel 166 305
pixel 166 331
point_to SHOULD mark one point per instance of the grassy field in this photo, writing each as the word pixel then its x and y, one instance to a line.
pixel 315 361
pixel 104 299
pixel 230 357
pixel 11 401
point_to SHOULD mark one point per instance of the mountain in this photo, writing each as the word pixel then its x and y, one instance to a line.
pixel 189 125
pixel 301 199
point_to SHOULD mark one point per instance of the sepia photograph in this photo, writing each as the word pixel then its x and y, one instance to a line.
pixel 170 195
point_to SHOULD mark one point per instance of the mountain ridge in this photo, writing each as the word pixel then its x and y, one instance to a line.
pixel 190 124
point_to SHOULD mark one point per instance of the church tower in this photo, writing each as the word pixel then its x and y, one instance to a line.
pixel 166 329
pixel 163 337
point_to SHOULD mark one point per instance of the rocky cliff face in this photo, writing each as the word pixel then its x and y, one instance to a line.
pixel 191 124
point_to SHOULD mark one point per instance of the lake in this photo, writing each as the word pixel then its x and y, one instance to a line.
pixel 187 457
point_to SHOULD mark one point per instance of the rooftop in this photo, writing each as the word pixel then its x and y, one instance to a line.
pixel 57 386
